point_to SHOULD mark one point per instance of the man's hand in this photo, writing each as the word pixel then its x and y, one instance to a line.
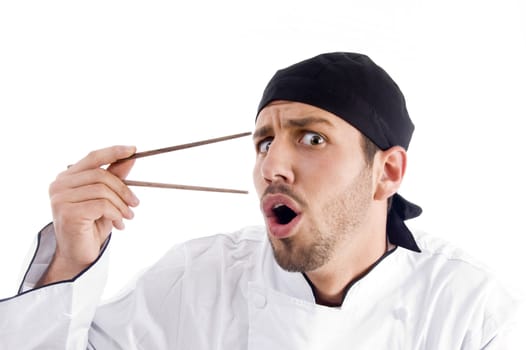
pixel 87 202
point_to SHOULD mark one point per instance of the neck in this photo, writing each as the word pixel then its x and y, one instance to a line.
pixel 354 260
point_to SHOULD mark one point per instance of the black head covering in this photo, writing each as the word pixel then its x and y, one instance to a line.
pixel 353 87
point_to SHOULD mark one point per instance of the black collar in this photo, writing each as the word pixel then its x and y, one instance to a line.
pixel 398 234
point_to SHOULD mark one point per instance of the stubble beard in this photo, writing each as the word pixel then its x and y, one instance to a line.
pixel 310 249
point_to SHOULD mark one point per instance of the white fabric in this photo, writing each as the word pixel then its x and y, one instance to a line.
pixel 227 292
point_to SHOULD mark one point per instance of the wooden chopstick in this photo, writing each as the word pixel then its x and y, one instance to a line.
pixel 176 148
pixel 184 146
pixel 181 187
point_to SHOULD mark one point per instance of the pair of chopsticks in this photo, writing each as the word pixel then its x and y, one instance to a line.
pixel 176 148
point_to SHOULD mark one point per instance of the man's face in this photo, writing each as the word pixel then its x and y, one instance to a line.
pixel 312 180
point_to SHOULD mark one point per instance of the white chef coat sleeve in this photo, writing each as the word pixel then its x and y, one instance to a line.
pixel 70 314
pixel 56 316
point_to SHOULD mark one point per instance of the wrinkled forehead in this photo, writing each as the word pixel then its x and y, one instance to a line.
pixel 283 114
pixel 285 109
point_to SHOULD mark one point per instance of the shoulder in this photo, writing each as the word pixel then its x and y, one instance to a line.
pixel 460 286
pixel 446 263
pixel 441 252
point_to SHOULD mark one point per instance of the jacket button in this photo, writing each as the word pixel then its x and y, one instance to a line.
pixel 260 301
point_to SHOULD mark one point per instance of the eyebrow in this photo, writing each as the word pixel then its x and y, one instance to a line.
pixel 292 123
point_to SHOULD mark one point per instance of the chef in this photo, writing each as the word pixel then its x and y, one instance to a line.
pixel 335 266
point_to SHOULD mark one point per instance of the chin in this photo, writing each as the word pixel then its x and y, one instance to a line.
pixel 292 256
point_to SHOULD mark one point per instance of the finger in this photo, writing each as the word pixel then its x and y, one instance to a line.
pixel 121 169
pixel 92 192
pixel 78 218
pixel 66 181
pixel 119 225
pixel 98 158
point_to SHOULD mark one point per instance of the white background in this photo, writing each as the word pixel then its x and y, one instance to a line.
pixel 77 76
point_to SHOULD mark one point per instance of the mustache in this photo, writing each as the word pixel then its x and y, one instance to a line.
pixel 281 188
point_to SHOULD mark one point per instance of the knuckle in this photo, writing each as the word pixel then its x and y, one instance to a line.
pixel 61 216
pixel 99 172
pixel 102 190
pixel 62 174
pixel 92 154
pixel 110 211
pixel 57 200
pixel 55 186
pixel 123 191
pixel 52 189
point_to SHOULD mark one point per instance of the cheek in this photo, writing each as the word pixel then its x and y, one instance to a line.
pixel 257 178
pixel 330 173
pixel 321 169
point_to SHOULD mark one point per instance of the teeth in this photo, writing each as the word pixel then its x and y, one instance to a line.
pixel 278 205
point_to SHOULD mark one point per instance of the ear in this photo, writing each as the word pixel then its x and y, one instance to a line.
pixel 391 165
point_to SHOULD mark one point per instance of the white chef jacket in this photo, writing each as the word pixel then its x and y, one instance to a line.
pixel 227 292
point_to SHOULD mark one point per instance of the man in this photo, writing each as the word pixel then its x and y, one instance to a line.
pixel 335 268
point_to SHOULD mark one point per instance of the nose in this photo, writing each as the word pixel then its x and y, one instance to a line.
pixel 277 164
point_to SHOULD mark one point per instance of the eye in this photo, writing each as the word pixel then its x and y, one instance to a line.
pixel 312 139
pixel 263 146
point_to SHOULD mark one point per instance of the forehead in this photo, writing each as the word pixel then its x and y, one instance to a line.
pixel 281 113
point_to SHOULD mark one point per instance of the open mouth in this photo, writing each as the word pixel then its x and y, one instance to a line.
pixel 283 214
